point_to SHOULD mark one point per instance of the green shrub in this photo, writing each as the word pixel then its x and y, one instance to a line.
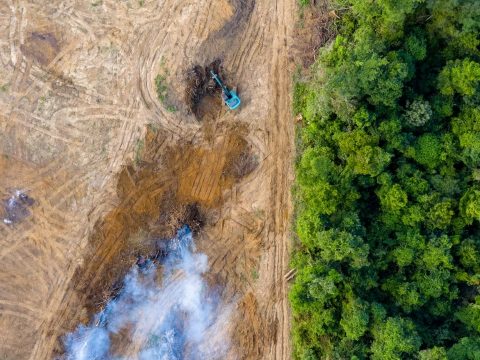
pixel 161 88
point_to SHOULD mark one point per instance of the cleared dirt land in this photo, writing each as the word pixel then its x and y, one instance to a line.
pixel 111 170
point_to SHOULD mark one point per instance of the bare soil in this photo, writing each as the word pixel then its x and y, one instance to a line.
pixel 112 171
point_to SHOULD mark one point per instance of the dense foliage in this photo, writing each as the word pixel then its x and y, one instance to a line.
pixel 388 186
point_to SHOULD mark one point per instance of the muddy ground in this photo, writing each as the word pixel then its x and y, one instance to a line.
pixel 110 168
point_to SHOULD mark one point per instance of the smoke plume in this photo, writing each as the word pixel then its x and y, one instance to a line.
pixel 176 318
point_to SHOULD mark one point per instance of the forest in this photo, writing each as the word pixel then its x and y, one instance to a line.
pixel 388 185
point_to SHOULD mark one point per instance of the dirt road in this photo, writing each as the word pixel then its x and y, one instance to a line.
pixel 77 90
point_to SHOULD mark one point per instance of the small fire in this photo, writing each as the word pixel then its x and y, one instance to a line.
pixel 179 319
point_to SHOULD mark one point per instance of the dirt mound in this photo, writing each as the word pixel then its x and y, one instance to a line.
pixel 242 164
pixel 202 94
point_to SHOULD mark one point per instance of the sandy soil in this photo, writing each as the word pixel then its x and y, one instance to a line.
pixel 76 95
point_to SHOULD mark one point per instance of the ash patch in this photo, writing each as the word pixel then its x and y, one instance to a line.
pixel 16 207
pixel 41 47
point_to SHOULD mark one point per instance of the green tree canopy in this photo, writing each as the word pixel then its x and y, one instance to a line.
pixel 387 185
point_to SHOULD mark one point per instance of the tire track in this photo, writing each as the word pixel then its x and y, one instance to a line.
pixel 75 189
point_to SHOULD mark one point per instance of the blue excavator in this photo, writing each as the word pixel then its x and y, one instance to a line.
pixel 230 97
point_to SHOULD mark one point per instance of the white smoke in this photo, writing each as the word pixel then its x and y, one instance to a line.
pixel 178 319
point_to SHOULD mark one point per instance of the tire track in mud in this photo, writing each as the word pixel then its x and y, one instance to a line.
pixel 273 307
pixel 251 230
pixel 39 277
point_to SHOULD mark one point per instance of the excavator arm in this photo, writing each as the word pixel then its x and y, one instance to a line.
pixel 230 97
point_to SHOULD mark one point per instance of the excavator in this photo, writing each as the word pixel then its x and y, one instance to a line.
pixel 230 97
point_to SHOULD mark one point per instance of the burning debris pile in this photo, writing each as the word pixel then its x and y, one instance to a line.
pixel 16 207
pixel 179 319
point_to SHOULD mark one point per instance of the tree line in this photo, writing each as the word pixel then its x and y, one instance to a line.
pixel 388 186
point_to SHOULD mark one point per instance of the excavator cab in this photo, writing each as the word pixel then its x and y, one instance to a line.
pixel 230 97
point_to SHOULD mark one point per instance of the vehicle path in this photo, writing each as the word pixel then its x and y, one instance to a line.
pixel 76 93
